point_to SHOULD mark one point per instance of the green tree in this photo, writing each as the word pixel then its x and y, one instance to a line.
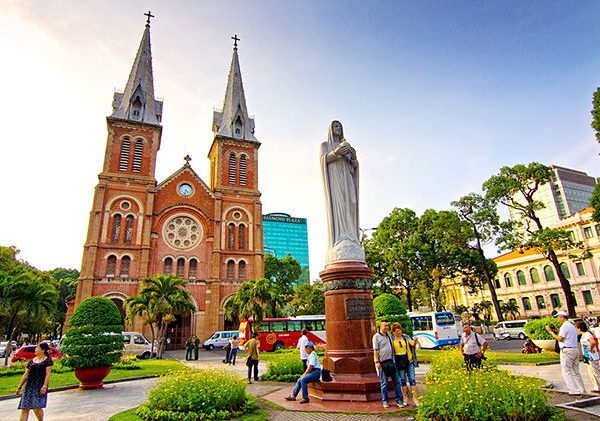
pixel 392 250
pixel 67 288
pixel 167 296
pixel 481 215
pixel 515 188
pixel 141 306
pixel 308 299
pixel 595 202
pixel 257 298
pixel 511 308
pixel 284 272
pixel 460 309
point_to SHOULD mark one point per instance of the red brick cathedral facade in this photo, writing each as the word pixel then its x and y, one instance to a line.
pixel 209 234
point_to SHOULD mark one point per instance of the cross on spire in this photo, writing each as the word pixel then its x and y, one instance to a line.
pixel 187 159
pixel 149 15
pixel 235 40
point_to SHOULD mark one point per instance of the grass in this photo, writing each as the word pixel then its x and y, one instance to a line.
pixel 8 384
pixel 129 415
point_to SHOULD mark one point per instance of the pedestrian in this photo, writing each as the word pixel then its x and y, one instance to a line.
pixel 406 361
pixel 589 349
pixel 234 343
pixel 253 356
pixel 473 347
pixel 169 343
pixel 311 374
pixel 227 349
pixel 302 346
pixel 383 354
pixel 189 347
pixel 37 376
pixel 569 353
pixel 196 347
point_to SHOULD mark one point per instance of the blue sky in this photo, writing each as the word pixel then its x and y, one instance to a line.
pixel 435 96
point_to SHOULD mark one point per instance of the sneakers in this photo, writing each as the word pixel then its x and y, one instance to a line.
pixel 290 398
pixel 386 405
pixel 304 400
pixel 401 404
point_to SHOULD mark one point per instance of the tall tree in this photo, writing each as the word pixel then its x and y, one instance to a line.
pixel 67 288
pixel 258 299
pixel 515 188
pixel 481 214
pixel 308 299
pixel 284 272
pixel 141 306
pixel 391 252
pixel 595 200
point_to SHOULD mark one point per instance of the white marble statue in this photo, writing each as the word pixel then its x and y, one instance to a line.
pixel 339 170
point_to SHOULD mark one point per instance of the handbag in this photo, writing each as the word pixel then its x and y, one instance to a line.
pixel 388 367
pixel 248 362
pixel 402 362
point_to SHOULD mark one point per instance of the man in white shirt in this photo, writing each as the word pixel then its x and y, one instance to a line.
pixel 302 347
pixel 311 374
pixel 472 346
pixel 569 353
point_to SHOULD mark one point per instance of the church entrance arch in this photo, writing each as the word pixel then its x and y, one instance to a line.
pixel 229 323
pixel 180 330
pixel 119 299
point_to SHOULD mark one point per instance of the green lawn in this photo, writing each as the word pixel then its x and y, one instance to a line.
pixel 8 384
pixel 129 415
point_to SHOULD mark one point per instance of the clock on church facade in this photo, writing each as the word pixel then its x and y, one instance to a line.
pixel 209 234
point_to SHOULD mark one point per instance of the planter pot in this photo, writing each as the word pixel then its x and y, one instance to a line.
pixel 93 377
pixel 545 344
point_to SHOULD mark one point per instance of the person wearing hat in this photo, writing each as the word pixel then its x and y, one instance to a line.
pixel 312 374
pixel 569 353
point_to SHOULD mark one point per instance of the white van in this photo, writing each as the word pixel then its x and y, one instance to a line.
pixel 219 339
pixel 134 343
pixel 514 328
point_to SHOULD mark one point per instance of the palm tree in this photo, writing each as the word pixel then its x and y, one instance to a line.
pixel 167 296
pixel 21 297
pixel 141 306
pixel 511 308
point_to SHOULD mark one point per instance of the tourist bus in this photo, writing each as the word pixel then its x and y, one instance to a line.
pixel 278 333
pixel 434 329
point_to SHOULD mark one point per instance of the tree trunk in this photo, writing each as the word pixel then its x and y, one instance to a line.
pixel 490 283
pixel 564 283
pixel 409 299
pixel 153 338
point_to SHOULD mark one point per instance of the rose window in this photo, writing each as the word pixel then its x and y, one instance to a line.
pixel 183 232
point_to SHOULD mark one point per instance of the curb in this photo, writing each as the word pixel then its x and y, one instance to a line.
pixel 538 364
pixel 76 386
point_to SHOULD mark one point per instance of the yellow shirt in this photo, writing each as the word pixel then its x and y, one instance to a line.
pixel 401 347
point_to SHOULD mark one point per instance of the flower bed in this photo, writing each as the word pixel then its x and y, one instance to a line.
pixel 486 394
pixel 285 368
pixel 195 395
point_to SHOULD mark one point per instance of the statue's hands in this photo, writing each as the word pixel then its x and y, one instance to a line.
pixel 343 148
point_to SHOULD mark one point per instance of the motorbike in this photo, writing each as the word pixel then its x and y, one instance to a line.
pixel 504 335
pixel 530 348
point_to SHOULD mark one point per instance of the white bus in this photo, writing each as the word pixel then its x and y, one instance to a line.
pixel 434 329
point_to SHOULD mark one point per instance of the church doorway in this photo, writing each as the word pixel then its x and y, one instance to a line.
pixel 229 323
pixel 180 330
pixel 119 303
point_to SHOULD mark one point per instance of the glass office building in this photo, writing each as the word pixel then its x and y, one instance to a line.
pixel 284 234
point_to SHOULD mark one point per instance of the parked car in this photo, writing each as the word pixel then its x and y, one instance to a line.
pixel 27 352
pixel 219 339
pixel 134 343
pixel 510 329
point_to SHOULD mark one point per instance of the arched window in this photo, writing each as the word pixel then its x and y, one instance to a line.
pixel 116 229
pixel 128 229
pixel 535 276
pixel 125 263
pixel 565 270
pixel 243 170
pixel 521 278
pixel 136 109
pixel 230 236
pixel 497 283
pixel 111 264
pixel 242 271
pixel 138 150
pixel 232 171
pixel 242 237
pixel 549 273
pixel 238 127
pixel 507 280
pixel 526 303
pixel 180 267
pixel 192 269
pixel 168 266
pixel 124 158
pixel 230 270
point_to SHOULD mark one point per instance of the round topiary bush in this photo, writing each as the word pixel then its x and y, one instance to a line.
pixel 197 395
pixel 386 304
pixel 536 328
pixel 94 338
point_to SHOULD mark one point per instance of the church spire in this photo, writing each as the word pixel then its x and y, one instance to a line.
pixel 137 102
pixel 233 120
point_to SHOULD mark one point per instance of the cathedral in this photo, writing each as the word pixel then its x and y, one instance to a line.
pixel 209 234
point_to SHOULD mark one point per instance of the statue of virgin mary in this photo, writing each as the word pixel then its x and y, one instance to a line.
pixel 339 171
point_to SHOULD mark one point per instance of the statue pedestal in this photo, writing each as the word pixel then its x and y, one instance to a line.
pixel 350 327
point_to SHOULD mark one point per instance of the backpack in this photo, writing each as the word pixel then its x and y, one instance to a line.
pixel 326 375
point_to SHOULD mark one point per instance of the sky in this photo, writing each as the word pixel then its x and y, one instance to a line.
pixel 436 96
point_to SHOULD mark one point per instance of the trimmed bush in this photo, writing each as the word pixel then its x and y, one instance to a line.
pixel 286 368
pixel 536 329
pixel 197 395
pixel 385 304
pixel 94 338
pixel 453 393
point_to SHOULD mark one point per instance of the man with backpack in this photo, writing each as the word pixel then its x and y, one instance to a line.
pixel 473 347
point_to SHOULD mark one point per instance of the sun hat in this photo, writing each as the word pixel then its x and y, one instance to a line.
pixel 562 313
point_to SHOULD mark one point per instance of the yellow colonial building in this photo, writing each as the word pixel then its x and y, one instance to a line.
pixel 529 279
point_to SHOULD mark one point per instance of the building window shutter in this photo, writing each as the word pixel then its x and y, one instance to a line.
pixel 128 229
pixel 168 266
pixel 243 170
pixel 230 270
pixel 242 237
pixel 193 269
pixel 116 229
pixel 180 267
pixel 232 165
pixel 242 271
pixel 111 264
pixel 231 236
pixel 138 151
pixel 125 263
pixel 124 158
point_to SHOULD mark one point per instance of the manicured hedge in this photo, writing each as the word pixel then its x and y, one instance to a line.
pixel 536 328
pixel 94 338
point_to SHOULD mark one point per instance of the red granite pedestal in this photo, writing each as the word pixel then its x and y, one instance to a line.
pixel 350 328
